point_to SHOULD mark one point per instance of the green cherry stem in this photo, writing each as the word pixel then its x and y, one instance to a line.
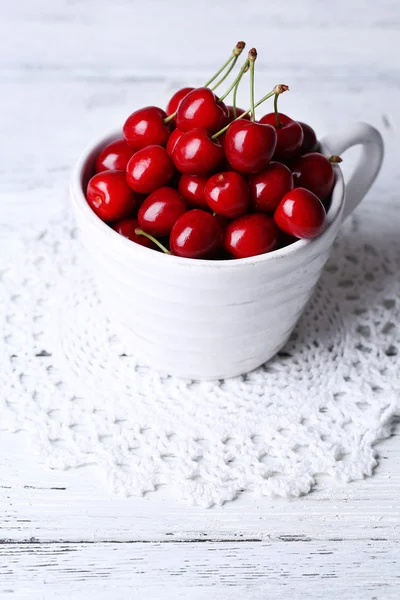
pixel 214 87
pixel 278 89
pixel 233 57
pixel 226 63
pixel 278 121
pixel 236 52
pixel 252 58
pixel 170 117
pixel 236 81
pixel 234 103
pixel 139 231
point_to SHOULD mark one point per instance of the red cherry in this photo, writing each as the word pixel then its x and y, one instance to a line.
pixel 268 187
pixel 196 153
pixel 300 213
pixel 239 111
pixel 251 235
pixel 310 142
pixel 146 127
pixel 191 188
pixel 174 102
pixel 160 211
pixel 200 108
pixel 173 138
pixel 196 234
pixel 289 136
pixel 149 169
pixel 114 157
pixel 249 146
pixel 127 228
pixel 231 117
pixel 110 197
pixel 315 173
pixel 227 194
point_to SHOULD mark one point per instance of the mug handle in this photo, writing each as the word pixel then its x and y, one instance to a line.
pixel 368 165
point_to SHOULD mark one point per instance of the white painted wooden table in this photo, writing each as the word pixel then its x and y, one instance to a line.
pixel 71 68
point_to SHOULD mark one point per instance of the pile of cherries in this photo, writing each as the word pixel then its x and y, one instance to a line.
pixel 206 180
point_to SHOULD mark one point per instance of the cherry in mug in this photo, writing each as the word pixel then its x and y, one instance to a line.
pixel 204 179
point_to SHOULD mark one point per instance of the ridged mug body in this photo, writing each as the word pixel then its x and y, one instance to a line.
pixel 201 319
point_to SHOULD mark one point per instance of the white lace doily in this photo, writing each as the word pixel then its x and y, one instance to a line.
pixel 318 407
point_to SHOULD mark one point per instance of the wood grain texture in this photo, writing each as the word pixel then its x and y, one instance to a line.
pixel 70 69
pixel 195 571
pixel 74 506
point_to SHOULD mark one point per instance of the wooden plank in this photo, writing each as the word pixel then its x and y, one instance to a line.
pixel 287 570
pixel 75 505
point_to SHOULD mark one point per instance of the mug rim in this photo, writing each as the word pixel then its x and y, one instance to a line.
pixel 302 246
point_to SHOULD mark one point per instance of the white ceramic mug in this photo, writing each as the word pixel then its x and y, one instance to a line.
pixel 212 319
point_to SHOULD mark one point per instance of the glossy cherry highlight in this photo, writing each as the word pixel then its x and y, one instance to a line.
pixel 196 153
pixel 300 214
pixel 149 169
pixel 196 234
pixel 160 211
pixel 314 172
pixel 251 235
pixel 201 108
pixel 114 157
pixel 173 138
pixel 249 146
pixel 191 188
pixel 268 187
pixel 146 127
pixel 289 135
pixel 175 100
pixel 227 194
pixel 110 197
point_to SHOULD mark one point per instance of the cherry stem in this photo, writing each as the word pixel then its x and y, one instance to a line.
pixel 214 87
pixel 278 121
pixel 278 89
pixel 170 117
pixel 335 159
pixel 252 58
pixel 236 81
pixel 235 91
pixel 236 52
pixel 139 231
pixel 234 101
pixel 226 63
